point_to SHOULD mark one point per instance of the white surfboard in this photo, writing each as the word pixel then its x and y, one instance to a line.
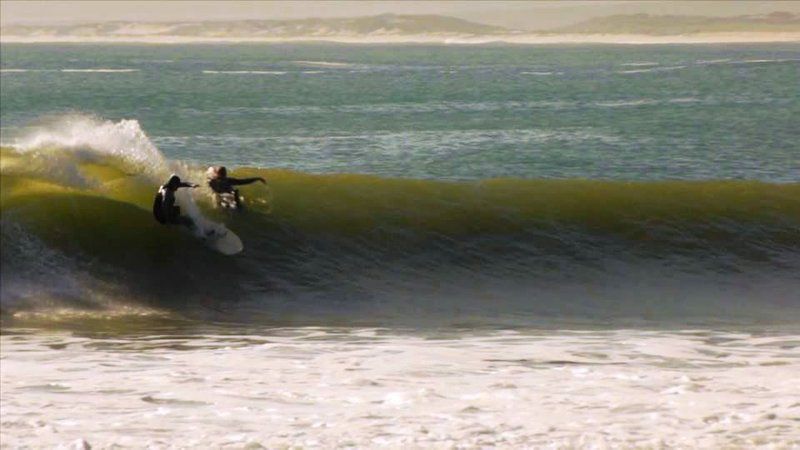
pixel 215 235
pixel 220 238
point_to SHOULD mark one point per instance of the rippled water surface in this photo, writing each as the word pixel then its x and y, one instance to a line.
pixel 599 111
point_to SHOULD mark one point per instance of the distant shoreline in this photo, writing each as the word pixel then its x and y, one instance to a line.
pixel 444 39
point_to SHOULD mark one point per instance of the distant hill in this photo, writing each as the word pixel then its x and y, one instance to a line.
pixel 394 28
pixel 382 25
pixel 672 25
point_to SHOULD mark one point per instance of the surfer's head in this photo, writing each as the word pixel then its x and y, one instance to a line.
pixel 215 172
pixel 174 182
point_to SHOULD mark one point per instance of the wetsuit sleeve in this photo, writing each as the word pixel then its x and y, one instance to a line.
pixel 187 185
pixel 241 181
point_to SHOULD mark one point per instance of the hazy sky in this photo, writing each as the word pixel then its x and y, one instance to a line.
pixel 513 14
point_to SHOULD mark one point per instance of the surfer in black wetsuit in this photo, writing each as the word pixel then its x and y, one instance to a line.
pixel 164 209
pixel 222 185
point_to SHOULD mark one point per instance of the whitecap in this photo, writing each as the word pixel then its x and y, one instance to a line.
pixel 245 72
pixel 640 64
pixel 764 61
pixel 322 63
pixel 541 74
pixel 713 61
pixel 100 70
pixel 622 103
pixel 654 69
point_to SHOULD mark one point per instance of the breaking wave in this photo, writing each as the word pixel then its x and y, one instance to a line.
pixel 77 228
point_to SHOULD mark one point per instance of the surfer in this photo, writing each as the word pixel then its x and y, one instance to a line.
pixel 164 209
pixel 222 185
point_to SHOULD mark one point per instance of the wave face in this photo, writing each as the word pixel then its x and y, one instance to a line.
pixel 77 232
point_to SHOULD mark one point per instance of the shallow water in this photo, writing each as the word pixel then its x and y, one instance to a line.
pixel 368 387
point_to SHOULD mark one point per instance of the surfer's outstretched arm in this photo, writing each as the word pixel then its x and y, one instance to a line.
pixel 240 181
pixel 189 185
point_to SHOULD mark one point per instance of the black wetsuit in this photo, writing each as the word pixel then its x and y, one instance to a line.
pixel 165 210
pixel 224 185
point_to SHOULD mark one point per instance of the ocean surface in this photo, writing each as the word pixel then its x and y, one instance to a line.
pixel 457 246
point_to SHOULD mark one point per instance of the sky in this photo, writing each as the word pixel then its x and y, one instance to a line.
pixel 525 15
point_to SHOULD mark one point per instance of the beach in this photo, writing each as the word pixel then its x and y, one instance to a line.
pixel 549 38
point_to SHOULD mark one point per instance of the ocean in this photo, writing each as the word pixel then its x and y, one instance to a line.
pixel 504 246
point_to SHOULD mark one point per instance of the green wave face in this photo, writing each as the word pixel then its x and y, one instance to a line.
pixel 104 191
pixel 317 233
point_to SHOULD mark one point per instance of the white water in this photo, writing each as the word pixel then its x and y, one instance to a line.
pixel 61 142
pixel 364 388
pixel 87 136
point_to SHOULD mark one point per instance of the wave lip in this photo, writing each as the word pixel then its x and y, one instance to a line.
pixel 91 137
